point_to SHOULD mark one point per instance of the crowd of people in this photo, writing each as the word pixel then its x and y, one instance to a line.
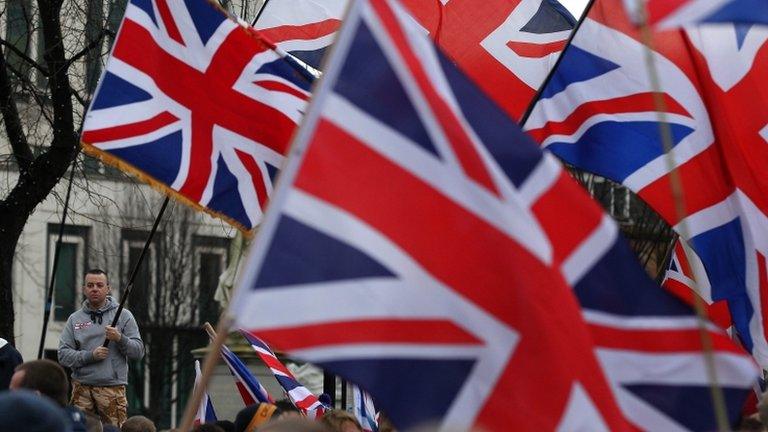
pixel 37 400
pixel 35 396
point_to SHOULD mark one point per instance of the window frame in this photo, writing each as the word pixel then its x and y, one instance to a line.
pixel 210 245
pixel 74 234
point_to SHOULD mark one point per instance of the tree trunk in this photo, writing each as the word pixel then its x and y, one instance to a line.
pixel 6 295
pixel 39 176
pixel 9 237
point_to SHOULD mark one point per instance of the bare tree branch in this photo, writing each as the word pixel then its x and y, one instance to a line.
pixel 27 59
pixel 13 126
pixel 58 80
pixel 88 48
pixel 79 98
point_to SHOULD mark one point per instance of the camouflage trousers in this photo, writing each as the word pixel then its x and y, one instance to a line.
pixel 108 403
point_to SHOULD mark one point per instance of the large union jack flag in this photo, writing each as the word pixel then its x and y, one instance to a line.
pixel 506 46
pixel 678 13
pixel 304 28
pixel 198 105
pixel 418 248
pixel 598 114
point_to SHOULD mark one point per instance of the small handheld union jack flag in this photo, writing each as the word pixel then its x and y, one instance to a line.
pixel 198 106
pixel 364 410
pixel 249 387
pixel 205 412
pixel 304 400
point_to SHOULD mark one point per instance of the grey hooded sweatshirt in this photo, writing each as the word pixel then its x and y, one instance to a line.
pixel 85 332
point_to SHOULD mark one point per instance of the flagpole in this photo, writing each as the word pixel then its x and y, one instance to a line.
pixel 129 285
pixel 49 294
pixel 678 198
pixel 210 330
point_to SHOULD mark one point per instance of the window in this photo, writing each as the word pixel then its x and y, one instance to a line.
pixel 132 242
pixel 146 278
pixel 114 16
pixel 210 263
pixel 40 79
pixel 18 34
pixel 67 290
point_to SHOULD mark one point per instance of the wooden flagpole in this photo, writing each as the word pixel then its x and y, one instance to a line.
pixel 678 198
pixel 210 330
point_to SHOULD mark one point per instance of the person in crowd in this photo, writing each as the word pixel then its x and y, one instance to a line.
pixel 294 424
pixel 341 421
pixel 385 424
pixel 49 379
pixel 253 416
pixel 25 410
pixel 9 359
pixel 100 374
pixel 138 423
pixel 762 409
pixel 93 423
pixel 285 409
pixel 750 424
pixel 225 425
pixel 207 427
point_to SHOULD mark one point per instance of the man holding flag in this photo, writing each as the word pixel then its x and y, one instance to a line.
pixel 99 373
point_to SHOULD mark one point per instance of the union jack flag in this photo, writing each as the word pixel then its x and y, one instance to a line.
pixel 363 409
pixel 678 13
pixel 297 393
pixel 687 279
pixel 197 104
pixel 304 28
pixel 506 46
pixel 248 386
pixel 205 412
pixel 598 114
pixel 421 237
